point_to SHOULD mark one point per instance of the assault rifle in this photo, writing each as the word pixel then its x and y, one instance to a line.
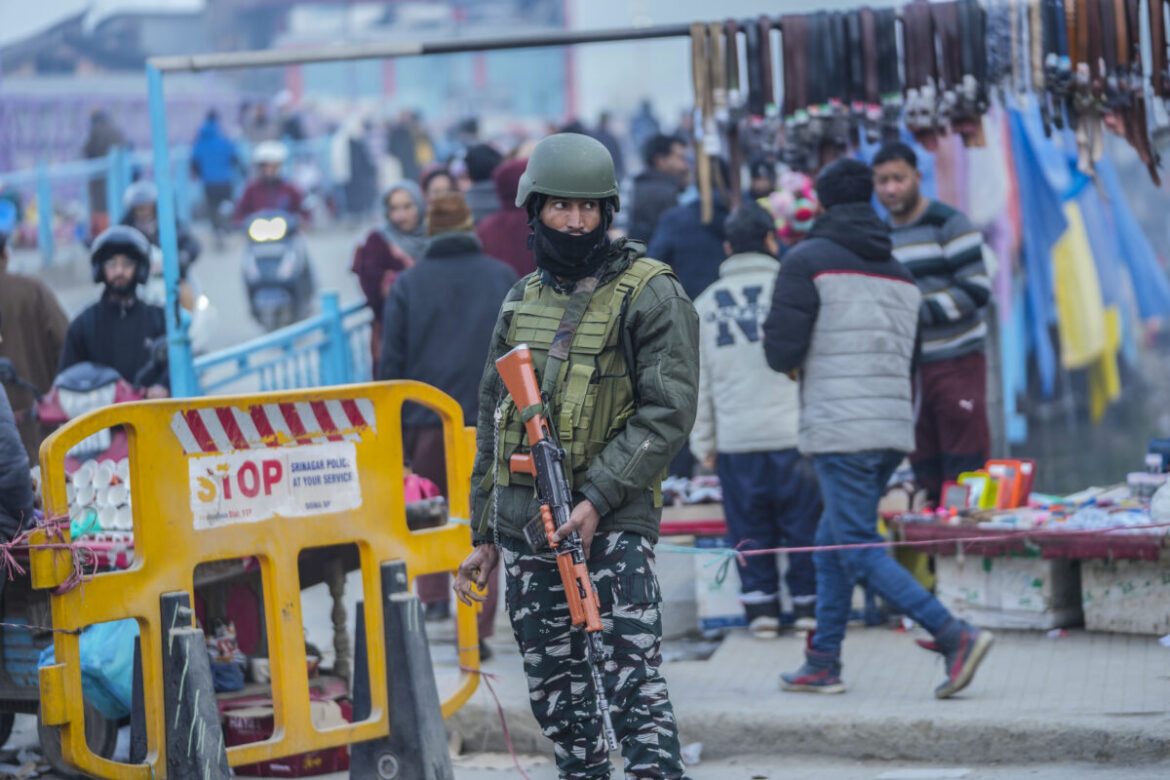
pixel 545 463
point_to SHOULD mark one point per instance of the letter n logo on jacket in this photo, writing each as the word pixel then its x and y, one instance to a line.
pixel 746 315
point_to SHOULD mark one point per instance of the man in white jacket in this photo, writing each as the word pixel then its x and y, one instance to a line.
pixel 746 427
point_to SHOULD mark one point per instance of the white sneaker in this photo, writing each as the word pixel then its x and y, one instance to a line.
pixel 765 627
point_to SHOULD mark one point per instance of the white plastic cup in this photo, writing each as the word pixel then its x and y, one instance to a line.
pixel 108 517
pixel 124 521
pixel 70 493
pixel 101 497
pixel 84 475
pixel 116 495
pixel 122 470
pixel 105 474
pixel 85 494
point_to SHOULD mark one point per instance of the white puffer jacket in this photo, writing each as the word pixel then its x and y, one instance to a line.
pixel 744 406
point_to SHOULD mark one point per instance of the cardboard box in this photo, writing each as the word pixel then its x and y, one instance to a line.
pixel 1011 592
pixel 1131 597
pixel 676 580
pixel 716 589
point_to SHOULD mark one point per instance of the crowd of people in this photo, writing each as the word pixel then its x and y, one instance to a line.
pixel 796 344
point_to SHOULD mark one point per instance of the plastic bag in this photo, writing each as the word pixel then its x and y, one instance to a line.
pixel 107 666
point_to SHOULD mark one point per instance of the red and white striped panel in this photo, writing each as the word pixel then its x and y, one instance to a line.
pixel 224 429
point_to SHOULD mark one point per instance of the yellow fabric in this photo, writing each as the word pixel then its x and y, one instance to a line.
pixel 1104 376
pixel 1079 305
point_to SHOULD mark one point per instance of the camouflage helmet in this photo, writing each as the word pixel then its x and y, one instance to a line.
pixel 569 165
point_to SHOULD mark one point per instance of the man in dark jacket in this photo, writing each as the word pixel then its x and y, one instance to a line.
pixel 437 322
pixel 844 318
pixel 623 392
pixel 604 133
pixel 36 335
pixel 693 249
pixel 119 330
pixel 505 233
pixel 657 188
pixel 16 496
pixel 103 136
pixel 215 161
pixel 482 161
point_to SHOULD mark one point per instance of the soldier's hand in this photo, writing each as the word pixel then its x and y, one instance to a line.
pixel 583 520
pixel 477 569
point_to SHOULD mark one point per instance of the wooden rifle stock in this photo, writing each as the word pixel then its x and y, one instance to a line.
pixel 519 377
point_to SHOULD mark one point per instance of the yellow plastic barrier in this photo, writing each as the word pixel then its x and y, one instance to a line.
pixel 267 476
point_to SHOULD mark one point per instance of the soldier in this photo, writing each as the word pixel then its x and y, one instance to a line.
pixel 623 405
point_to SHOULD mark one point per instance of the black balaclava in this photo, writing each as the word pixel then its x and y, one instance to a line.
pixel 565 255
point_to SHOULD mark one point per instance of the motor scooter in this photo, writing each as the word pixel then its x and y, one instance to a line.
pixel 277 270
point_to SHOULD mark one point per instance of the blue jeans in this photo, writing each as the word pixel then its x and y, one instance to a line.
pixel 771 499
pixel 851 486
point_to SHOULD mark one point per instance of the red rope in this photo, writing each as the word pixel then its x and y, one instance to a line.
pixel 487 678
pixel 935 542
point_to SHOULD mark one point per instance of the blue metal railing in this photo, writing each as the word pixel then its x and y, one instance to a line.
pixel 50 184
pixel 330 348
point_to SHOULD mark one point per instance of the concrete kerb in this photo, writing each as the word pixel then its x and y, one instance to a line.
pixel 716 703
pixel 726 734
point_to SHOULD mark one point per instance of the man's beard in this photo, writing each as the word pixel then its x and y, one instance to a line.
pixel 906 205
pixel 123 289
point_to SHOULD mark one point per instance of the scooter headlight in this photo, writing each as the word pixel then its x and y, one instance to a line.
pixel 261 230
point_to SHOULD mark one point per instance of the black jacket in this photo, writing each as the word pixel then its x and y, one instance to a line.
pixel 16 498
pixel 692 249
pixel 845 312
pixel 438 321
pixel 654 193
pixel 110 334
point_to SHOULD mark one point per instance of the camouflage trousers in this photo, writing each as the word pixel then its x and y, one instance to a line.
pixel 559 682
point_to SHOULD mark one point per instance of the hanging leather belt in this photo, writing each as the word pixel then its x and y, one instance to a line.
pixel 921 73
pixel 1057 65
pixel 1089 91
pixel 889 79
pixel 700 73
pixel 1137 129
pixel 871 96
pixel 950 64
pixel 735 109
pixel 755 94
pixel 999 46
pixel 1160 75
pixel 764 25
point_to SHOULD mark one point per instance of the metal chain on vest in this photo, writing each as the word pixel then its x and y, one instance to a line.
pixel 497 418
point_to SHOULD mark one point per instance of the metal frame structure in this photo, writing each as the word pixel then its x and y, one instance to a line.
pixel 184 382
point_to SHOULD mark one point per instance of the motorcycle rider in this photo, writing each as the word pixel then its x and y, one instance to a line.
pixel 140 211
pixel 270 190
pixel 119 330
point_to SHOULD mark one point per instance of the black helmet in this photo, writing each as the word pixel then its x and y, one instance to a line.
pixel 569 165
pixel 121 240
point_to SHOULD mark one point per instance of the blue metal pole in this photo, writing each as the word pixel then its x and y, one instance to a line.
pixel 334 356
pixel 113 194
pixel 44 213
pixel 183 380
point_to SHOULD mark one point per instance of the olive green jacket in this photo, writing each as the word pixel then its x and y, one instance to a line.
pixel 662 331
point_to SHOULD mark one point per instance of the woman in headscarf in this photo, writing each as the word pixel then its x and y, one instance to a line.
pixel 389 250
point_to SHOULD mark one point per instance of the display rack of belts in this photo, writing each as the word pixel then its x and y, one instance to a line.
pixel 803 89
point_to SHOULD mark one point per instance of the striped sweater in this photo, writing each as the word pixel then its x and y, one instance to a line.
pixel 944 253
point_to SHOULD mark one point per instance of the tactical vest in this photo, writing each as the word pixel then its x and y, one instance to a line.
pixel 594 395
